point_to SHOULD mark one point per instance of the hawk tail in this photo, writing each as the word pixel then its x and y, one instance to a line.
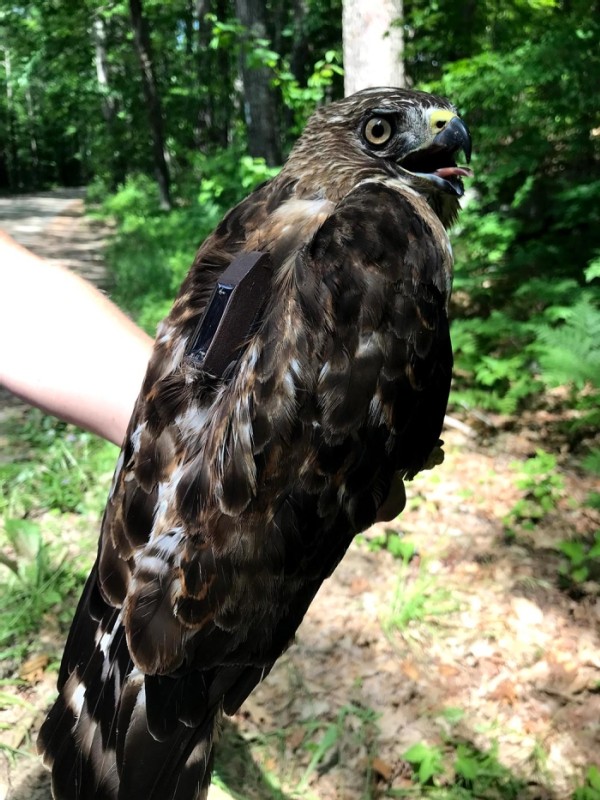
pixel 115 733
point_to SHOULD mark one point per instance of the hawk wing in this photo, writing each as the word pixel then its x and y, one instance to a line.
pixel 233 500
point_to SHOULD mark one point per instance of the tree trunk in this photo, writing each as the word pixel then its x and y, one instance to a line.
pixel 33 146
pixel 108 102
pixel 373 47
pixel 212 119
pixel 11 151
pixel 99 38
pixel 260 110
pixel 141 37
pixel 299 58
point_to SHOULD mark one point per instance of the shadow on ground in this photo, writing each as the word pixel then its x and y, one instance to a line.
pixel 235 769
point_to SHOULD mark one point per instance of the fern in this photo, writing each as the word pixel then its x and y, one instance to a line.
pixel 570 352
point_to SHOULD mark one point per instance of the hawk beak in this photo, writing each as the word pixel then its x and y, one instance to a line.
pixel 435 162
pixel 454 138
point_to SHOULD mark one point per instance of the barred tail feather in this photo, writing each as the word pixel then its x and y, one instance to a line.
pixel 116 734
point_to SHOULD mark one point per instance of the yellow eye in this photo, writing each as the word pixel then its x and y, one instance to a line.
pixel 378 131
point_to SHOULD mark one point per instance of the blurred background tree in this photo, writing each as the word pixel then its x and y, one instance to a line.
pixel 192 102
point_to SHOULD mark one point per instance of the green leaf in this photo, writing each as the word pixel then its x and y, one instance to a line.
pixel 574 550
pixel 428 761
pixel 593 777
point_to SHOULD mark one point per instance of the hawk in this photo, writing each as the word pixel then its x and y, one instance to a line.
pixel 237 493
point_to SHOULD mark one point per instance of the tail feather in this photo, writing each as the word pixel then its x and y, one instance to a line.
pixel 117 734
pixel 175 769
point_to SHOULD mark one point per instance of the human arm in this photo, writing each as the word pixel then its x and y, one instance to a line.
pixel 65 347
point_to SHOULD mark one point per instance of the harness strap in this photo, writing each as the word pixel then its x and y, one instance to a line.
pixel 231 314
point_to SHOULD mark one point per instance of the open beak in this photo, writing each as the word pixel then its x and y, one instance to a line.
pixel 437 161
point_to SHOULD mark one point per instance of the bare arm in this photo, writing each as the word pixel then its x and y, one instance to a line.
pixel 65 347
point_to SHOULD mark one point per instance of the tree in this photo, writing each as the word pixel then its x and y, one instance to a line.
pixel 143 47
pixel 529 247
pixel 259 102
pixel 108 100
pixel 373 44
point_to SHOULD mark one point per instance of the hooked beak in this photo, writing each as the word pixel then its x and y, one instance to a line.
pixel 436 162
pixel 454 138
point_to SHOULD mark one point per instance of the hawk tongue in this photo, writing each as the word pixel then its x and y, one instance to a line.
pixel 449 172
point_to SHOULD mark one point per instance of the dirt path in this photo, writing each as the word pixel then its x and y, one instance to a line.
pixel 474 648
pixel 52 225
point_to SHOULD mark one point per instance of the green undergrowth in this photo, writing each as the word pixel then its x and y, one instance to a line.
pixel 53 485
pixel 265 766
pixel 542 488
pixel 40 584
pixel 418 598
pixel 459 769
pixel 510 358
pixel 49 465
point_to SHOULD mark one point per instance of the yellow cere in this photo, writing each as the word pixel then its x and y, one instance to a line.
pixel 439 117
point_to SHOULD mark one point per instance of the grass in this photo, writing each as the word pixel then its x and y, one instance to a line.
pixel 52 466
pixel 325 750
pixel 52 485
pixel 42 583
pixel 417 597
pixel 261 767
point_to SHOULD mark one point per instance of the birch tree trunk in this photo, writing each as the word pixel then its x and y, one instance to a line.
pixel 11 150
pixel 108 100
pixel 373 47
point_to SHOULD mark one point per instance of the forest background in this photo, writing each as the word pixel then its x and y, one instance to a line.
pixel 187 105
pixel 170 112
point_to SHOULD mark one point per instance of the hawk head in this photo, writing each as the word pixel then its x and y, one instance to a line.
pixel 412 137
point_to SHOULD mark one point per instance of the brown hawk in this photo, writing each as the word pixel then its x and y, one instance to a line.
pixel 236 494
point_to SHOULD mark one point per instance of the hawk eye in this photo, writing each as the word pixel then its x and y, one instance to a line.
pixel 378 131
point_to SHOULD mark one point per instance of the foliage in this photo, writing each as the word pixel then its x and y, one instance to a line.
pixel 591 788
pixel 39 581
pixel 55 470
pixel 570 352
pixel 427 761
pixel 394 543
pixel 482 775
pixel 470 773
pixel 582 560
pixel 541 485
pixel 302 100
pixel 71 100
pixel 329 742
pixel 152 251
